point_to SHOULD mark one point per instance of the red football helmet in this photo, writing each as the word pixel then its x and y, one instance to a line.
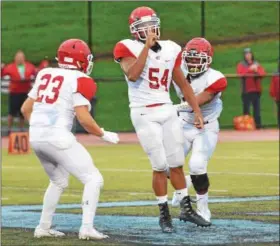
pixel 141 20
pixel 197 55
pixel 75 54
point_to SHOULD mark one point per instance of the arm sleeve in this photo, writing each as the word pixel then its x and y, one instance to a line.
pixel 34 70
pixel 5 71
pixel 241 70
pixel 121 51
pixel 260 70
pixel 218 86
pixel 87 87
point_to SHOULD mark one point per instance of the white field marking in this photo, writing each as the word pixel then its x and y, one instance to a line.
pixel 20 167
pixel 247 174
pixel 4 198
pixel 72 195
pixel 218 190
pixel 72 190
pixel 216 173
pixel 35 189
pixel 256 158
pixel 149 170
pixel 22 188
pixel 274 188
pixel 140 193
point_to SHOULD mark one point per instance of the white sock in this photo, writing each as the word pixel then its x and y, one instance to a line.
pixel 203 197
pixel 89 202
pixel 202 201
pixel 161 199
pixel 180 194
pixel 51 199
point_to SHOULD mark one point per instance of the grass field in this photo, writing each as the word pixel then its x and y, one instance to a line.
pixel 245 169
pixel 43 25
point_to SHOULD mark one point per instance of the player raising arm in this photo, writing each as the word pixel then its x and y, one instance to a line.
pixel 149 65
pixel 57 96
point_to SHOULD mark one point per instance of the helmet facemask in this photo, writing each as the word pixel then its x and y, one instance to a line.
pixel 90 64
pixel 196 63
pixel 141 27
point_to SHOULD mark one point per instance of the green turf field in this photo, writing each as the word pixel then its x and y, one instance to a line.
pixel 244 169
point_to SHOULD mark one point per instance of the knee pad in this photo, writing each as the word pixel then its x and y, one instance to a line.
pixel 198 164
pixel 177 159
pixel 62 183
pixel 95 177
pixel 158 160
pixel 160 167
pixel 200 182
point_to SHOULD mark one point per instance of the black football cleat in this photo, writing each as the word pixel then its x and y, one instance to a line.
pixel 188 214
pixel 165 220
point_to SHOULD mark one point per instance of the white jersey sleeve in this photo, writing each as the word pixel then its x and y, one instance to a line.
pixel 80 100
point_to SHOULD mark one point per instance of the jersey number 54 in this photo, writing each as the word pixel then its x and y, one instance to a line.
pixel 154 79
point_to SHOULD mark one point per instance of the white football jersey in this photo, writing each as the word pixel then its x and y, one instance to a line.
pixel 211 110
pixel 57 91
pixel 153 85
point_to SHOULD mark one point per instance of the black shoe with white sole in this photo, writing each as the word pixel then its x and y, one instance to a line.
pixel 188 214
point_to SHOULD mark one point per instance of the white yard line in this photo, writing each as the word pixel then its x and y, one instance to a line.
pixel 274 188
pixel 148 171
pixel 72 195
pixel 247 174
pixel 245 158
pixel 80 191
pixel 140 193
pixel 218 190
pixel 4 198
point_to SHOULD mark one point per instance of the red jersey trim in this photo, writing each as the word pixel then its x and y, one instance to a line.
pixel 87 87
pixel 218 86
pixel 178 60
pixel 121 51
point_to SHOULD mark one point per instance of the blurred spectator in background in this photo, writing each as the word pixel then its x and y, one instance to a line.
pixel 43 64
pixel 275 91
pixel 21 73
pixel 251 73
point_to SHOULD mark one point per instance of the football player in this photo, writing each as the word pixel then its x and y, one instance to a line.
pixel 149 65
pixel 57 96
pixel 207 84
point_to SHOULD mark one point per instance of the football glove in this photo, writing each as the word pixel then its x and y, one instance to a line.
pixel 111 137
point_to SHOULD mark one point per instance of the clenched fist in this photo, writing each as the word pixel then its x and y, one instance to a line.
pixel 151 39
